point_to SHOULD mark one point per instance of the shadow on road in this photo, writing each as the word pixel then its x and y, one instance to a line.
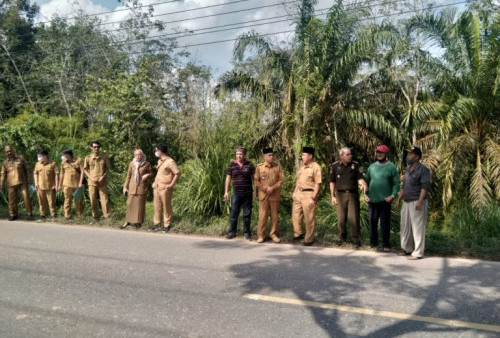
pixel 342 280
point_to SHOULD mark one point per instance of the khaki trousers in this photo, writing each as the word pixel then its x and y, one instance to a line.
pixel 162 203
pixel 302 208
pixel 47 197
pixel 103 196
pixel 264 206
pixel 348 210
pixel 13 199
pixel 413 224
pixel 68 197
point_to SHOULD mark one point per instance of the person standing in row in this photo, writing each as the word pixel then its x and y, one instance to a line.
pixel 414 192
pixel 345 175
pixel 15 172
pixel 46 179
pixel 305 197
pixel 96 168
pixel 136 189
pixel 70 180
pixel 382 178
pixel 240 172
pixel 166 177
pixel 268 181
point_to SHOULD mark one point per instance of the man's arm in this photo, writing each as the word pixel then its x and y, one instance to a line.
pixel 226 187
pixel 332 193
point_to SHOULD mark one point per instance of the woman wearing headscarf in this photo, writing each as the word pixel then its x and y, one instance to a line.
pixel 136 189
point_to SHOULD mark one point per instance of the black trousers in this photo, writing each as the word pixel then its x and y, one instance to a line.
pixel 380 211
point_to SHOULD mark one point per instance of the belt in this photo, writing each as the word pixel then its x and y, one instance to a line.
pixel 349 191
pixel 306 190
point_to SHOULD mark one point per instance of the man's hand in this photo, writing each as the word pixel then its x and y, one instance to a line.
pixel 367 199
pixel 125 191
pixel 334 200
pixel 396 205
pixel 226 196
pixel 312 203
pixel 418 205
pixel 389 199
pixel 269 190
pixel 144 177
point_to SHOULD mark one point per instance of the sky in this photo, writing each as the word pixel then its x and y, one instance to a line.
pixel 197 15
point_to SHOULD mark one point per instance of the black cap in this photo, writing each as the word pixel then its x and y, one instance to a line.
pixel 415 150
pixel 308 150
pixel 267 151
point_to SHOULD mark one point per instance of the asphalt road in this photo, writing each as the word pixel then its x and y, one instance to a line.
pixel 76 281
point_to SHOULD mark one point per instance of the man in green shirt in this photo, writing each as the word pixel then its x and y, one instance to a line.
pixel 382 178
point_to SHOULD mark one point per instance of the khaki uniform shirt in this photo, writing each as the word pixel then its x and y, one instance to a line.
pixel 131 184
pixel 308 176
pixel 14 171
pixel 167 169
pixel 97 166
pixel 268 176
pixel 71 171
pixel 46 174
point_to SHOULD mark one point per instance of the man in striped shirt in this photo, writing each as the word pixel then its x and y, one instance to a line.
pixel 240 172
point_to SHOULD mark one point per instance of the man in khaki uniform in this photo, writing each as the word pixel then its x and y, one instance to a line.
pixel 166 176
pixel 96 168
pixel 305 197
pixel 268 180
pixel 15 172
pixel 71 179
pixel 46 177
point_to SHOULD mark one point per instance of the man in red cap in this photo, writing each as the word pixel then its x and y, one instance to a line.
pixel 382 178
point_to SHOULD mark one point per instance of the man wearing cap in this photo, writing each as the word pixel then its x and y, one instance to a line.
pixel 345 175
pixel 416 185
pixel 268 181
pixel 240 172
pixel 305 197
pixel 46 178
pixel 15 172
pixel 382 178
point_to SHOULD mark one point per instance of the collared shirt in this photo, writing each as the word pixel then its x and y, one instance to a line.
pixel 345 177
pixel 268 175
pixel 166 170
pixel 71 170
pixel 241 176
pixel 97 166
pixel 414 181
pixel 46 174
pixel 14 171
pixel 308 176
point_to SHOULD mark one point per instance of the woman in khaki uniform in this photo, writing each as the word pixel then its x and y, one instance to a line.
pixel 136 189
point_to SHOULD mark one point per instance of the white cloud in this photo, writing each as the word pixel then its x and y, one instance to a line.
pixel 65 8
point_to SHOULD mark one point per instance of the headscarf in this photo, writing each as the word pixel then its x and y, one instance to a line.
pixel 137 165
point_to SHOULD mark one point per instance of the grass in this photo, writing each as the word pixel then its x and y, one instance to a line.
pixel 464 233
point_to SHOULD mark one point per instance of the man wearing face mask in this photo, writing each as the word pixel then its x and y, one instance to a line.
pixel 382 178
pixel 416 185
pixel 46 178
pixel 167 175
pixel 15 172
pixel 70 180
pixel 96 167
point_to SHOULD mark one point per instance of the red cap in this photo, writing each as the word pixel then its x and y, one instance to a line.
pixel 383 148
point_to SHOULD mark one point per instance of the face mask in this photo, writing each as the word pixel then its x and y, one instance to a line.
pixel 40 158
pixel 410 161
pixel 157 153
pixel 63 158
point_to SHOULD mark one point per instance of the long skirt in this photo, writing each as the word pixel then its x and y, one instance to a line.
pixel 136 208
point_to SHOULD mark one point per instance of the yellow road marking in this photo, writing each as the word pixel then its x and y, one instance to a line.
pixel 364 311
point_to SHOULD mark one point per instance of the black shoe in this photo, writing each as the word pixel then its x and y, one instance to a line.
pixel 404 253
pixel 357 245
pixel 69 219
pixel 12 218
pixel 165 230
pixel 373 246
pixel 386 249
pixel 308 243
pixel 30 216
pixel 248 237
pixel 124 225
pixel 153 227
pixel 339 242
pixel 138 225
pixel 41 219
pixel 230 235
pixel 92 222
pixel 299 237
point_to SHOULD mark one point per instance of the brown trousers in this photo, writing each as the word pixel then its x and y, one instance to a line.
pixel 136 209
pixel 103 196
pixel 13 199
pixel 162 203
pixel 68 197
pixel 302 208
pixel 348 210
pixel 264 206
pixel 47 197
